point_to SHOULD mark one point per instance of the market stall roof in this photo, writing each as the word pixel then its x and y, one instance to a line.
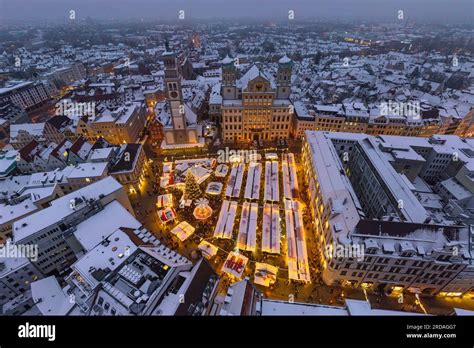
pixel 235 264
pixel 208 250
pixel 167 214
pixel 183 230
pixel 214 188
pixel 265 274
pixel 200 173
pixel 164 201
pixel 221 170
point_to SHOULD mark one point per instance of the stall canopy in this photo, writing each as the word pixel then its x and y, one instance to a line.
pixel 183 230
pixel 208 250
pixel 164 201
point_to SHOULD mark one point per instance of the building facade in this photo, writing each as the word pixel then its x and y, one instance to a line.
pixel 120 125
pixel 28 95
pixel 380 220
pixel 256 107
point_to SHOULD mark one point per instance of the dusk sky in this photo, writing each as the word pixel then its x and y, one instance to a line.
pixel 436 10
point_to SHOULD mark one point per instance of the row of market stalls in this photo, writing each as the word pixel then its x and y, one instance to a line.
pixel 297 255
pixel 247 237
pixel 290 181
pixel 225 222
pixel 271 228
pixel 272 189
pixel 265 274
pixel 234 184
pixel 252 187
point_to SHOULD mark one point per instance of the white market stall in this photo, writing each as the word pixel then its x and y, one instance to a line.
pixel 214 188
pixel 235 264
pixel 247 237
pixel 265 274
pixel 271 228
pixel 297 256
pixel 164 201
pixel 272 191
pixel 183 230
pixel 208 250
pixel 234 184
pixel 225 222
pixel 290 180
pixel 252 187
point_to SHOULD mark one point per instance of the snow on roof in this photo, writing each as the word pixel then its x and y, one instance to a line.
pixel 236 295
pixel 412 208
pixel 11 264
pixel 275 307
pixel 121 115
pixel 100 154
pixel 60 208
pixel 35 129
pixel 328 108
pixel 191 116
pixel 7 160
pixel 456 189
pixel 284 60
pixel 98 227
pixel 50 298
pixel 334 183
pixel 227 60
pixel 9 213
pixel 215 97
pixel 105 256
pixel 251 74
pixel 360 307
pixel 88 169
pixel 460 311
pixel 14 85
pixel 300 109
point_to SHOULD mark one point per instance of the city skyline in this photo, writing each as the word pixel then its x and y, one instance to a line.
pixel 435 11
pixel 309 160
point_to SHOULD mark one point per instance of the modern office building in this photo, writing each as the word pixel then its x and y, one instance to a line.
pixel 382 213
pixel 16 275
pixel 26 94
pixel 51 228
pixel 127 273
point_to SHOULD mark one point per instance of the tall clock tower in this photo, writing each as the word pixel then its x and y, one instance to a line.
pixel 176 132
pixel 285 66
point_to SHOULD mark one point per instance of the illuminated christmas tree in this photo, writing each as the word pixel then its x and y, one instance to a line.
pixel 192 189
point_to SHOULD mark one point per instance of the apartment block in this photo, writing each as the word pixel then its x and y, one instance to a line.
pixel 381 220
